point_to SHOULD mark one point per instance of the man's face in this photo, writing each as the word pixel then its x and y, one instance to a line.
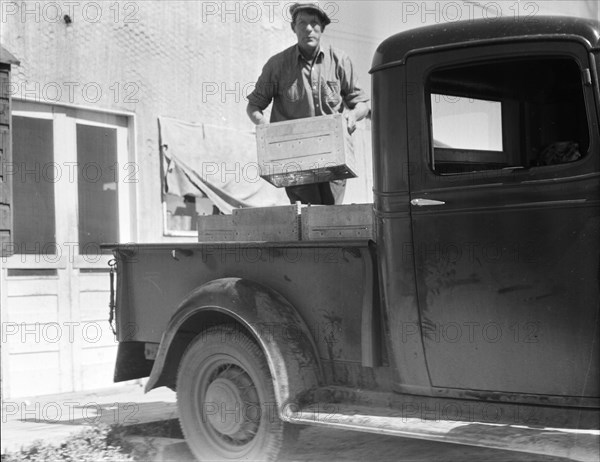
pixel 308 28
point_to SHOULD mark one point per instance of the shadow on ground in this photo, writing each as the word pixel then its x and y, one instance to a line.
pixel 327 445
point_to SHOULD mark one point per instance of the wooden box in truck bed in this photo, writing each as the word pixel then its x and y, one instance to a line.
pixel 304 151
pixel 289 223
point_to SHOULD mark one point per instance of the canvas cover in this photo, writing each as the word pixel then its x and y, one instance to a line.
pixel 217 162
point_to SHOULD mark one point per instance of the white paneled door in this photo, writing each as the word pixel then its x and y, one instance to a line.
pixel 73 185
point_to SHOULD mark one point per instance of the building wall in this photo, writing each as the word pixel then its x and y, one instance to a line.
pixel 149 58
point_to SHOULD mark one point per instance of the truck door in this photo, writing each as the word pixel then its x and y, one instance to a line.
pixel 503 142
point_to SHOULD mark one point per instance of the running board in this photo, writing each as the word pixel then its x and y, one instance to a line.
pixel 579 445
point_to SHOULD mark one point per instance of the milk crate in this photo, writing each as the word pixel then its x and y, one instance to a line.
pixel 305 151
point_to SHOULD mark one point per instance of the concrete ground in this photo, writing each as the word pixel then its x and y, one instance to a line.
pixel 52 418
pixel 331 445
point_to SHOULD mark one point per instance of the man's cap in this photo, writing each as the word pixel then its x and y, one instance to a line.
pixel 313 7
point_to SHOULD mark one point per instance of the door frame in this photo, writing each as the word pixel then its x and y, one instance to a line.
pixel 69 262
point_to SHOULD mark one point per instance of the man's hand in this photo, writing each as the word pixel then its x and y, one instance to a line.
pixel 255 114
pixel 359 112
pixel 350 117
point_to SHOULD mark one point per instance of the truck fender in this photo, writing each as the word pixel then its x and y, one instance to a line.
pixel 274 323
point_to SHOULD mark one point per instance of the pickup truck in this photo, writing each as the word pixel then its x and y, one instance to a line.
pixel 462 305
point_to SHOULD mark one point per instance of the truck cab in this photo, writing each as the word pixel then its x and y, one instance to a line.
pixel 486 201
pixel 462 305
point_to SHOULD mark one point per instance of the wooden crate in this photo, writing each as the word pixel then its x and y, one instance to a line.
pixel 335 222
pixel 216 228
pixel 305 151
pixel 273 224
pixel 280 223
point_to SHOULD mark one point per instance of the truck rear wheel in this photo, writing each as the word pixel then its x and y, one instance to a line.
pixel 226 400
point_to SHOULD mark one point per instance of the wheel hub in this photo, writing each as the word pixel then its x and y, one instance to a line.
pixel 224 400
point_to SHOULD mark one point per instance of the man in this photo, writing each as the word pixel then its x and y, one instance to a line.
pixel 307 80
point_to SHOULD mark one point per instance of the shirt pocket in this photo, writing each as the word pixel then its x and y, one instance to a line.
pixel 292 91
pixel 332 93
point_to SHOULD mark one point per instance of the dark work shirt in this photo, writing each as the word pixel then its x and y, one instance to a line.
pixel 299 88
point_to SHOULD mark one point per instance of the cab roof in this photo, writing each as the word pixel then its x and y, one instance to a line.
pixel 398 47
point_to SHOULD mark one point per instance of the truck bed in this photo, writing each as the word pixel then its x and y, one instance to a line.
pixel 342 312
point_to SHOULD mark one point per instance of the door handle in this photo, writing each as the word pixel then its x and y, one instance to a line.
pixel 425 202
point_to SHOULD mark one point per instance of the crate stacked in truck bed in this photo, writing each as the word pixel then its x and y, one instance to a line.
pixel 289 223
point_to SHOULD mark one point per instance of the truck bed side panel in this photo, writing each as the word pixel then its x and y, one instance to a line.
pixel 325 282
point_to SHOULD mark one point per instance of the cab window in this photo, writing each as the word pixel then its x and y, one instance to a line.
pixel 507 114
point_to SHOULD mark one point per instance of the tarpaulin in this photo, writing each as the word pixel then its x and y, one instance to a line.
pixel 217 162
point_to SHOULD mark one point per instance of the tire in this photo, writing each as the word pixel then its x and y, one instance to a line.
pixel 226 400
